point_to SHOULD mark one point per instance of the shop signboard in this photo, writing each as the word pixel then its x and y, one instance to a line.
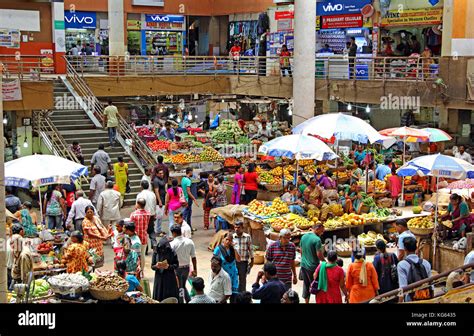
pixel 284 15
pixel 362 71
pixel 11 90
pixel 284 25
pixel 134 25
pixel 163 22
pixel 80 20
pixel 10 38
pixel 412 17
pixel 341 21
pixel 339 7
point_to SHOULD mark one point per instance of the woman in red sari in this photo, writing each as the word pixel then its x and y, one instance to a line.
pixel 330 281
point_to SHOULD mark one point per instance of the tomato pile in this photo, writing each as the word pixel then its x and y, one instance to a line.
pixel 158 145
pixel 231 162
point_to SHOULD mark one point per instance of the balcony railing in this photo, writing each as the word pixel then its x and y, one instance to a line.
pixel 26 67
pixel 332 67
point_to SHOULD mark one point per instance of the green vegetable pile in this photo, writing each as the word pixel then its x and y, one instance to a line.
pixel 41 288
pixel 383 212
pixel 368 201
pixel 228 131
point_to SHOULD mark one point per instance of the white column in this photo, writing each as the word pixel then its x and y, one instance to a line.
pixel 116 28
pixel 304 67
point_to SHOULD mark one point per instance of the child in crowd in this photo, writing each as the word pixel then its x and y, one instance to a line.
pixel 118 243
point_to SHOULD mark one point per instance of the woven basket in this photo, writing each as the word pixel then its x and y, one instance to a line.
pixel 259 258
pixel 420 231
pixel 255 225
pixel 344 254
pixel 274 187
pixel 104 295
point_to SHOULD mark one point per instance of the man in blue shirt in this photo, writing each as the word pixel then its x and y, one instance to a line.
pixel 404 266
pixel 383 170
pixel 168 132
pixel 272 289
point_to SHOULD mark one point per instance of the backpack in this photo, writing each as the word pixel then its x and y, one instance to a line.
pixel 417 272
pixel 389 269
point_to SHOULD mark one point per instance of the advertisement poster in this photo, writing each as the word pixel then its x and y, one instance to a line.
pixel 10 38
pixel 341 21
pixel 413 17
pixel 11 90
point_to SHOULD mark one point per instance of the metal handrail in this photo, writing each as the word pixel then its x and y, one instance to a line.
pixel 124 130
pixel 51 135
pixel 327 67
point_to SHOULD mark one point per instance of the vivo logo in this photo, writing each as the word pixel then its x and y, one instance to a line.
pixel 158 18
pixel 361 71
pixel 333 8
pixel 80 20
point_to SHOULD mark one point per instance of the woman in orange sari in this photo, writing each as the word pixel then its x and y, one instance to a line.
pixel 94 232
pixel 362 282
pixel 76 256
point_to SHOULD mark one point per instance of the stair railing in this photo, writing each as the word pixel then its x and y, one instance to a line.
pixel 125 131
pixel 51 137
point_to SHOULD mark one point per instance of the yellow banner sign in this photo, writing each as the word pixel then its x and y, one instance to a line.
pixel 134 25
pixel 412 17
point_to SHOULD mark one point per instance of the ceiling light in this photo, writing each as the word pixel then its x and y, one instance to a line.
pixel 349 107
pixel 367 109
pixel 25 144
pixel 5 120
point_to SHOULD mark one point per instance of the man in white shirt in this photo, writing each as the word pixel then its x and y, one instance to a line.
pixel 220 288
pixel 185 250
pixel 185 228
pixel 78 211
pixel 108 206
pixel 401 226
pixel 150 199
pixel 463 155
pixel 97 186
pixel 147 177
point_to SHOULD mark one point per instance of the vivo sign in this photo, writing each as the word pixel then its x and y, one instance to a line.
pixel 334 7
pixel 80 20
pixel 164 18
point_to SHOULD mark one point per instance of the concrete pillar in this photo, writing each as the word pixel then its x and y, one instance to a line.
pixel 304 69
pixel 443 117
pixel 117 28
pixel 214 34
pixel 59 36
pixel 448 15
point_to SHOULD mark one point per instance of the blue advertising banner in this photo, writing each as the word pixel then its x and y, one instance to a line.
pixel 164 18
pixel 337 7
pixel 80 20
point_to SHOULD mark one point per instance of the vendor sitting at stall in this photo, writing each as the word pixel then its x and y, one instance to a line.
pixel 167 132
pixel 327 182
pixel 76 256
pixel 359 154
pixel 133 282
pixel 313 195
pixel 291 198
pixel 460 216
pixel 28 219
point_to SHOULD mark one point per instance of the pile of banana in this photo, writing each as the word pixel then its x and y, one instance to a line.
pixel 334 223
pixel 289 221
pixel 368 239
pixel 421 222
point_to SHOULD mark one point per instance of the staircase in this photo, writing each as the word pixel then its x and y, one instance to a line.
pixel 76 125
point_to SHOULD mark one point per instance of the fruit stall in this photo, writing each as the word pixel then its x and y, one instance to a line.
pixel 272 217
pixel 81 287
